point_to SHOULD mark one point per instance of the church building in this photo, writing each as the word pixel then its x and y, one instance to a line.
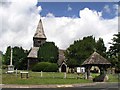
pixel 38 39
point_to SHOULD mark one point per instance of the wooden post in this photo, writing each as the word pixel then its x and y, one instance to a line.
pixel 65 75
pixel 16 72
pixel 28 67
pixel 85 75
pixel 21 75
pixel 27 75
pixel 41 74
pixel 88 71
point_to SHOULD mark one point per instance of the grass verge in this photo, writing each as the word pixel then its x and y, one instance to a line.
pixel 48 78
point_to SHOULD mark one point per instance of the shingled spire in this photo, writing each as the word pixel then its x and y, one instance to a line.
pixel 40 31
pixel 39 36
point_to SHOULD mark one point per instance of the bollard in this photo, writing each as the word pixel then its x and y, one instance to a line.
pixel 41 74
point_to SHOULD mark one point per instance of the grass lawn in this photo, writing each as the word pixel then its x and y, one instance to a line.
pixel 48 78
pixel 113 78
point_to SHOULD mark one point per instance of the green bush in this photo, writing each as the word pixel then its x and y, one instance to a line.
pixel 4 66
pixel 45 67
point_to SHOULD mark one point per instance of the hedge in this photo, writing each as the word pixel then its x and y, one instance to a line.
pixel 45 67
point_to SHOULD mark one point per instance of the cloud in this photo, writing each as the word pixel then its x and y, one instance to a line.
pixel 19 22
pixel 116 7
pixel 69 8
pixel 50 15
pixel 107 9
pixel 64 30
pixel 114 10
pixel 39 8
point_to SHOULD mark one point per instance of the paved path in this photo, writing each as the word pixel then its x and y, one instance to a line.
pixel 85 86
pixel 45 86
pixel 105 85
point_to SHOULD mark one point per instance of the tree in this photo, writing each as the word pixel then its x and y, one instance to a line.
pixel 48 52
pixel 114 51
pixel 19 57
pixel 72 63
pixel 79 51
pixel 7 56
pixel 1 58
pixel 100 47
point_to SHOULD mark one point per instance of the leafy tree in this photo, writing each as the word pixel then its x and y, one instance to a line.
pixel 1 56
pixel 78 52
pixel 19 57
pixel 114 51
pixel 72 63
pixel 48 52
pixel 100 47
pixel 7 56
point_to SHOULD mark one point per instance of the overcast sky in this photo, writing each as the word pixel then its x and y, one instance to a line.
pixel 63 22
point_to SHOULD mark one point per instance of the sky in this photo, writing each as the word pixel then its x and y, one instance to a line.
pixel 63 22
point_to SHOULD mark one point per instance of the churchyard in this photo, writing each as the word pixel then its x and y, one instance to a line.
pixel 35 78
pixel 57 64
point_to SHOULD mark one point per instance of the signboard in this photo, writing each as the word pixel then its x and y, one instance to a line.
pixel 78 69
pixel 82 69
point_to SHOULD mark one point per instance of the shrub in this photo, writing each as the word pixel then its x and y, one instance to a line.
pixel 45 67
pixel 51 67
pixel 4 66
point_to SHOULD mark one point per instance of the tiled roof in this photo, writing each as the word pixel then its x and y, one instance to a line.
pixel 33 52
pixel 96 59
pixel 61 57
